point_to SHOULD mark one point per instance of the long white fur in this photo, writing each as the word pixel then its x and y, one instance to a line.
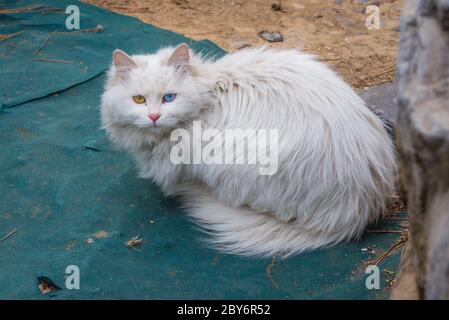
pixel 336 160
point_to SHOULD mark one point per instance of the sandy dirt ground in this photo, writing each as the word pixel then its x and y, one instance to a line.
pixel 334 30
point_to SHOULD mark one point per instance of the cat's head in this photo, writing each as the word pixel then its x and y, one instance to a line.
pixel 153 93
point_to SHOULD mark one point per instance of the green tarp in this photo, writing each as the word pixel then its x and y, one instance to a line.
pixel 75 200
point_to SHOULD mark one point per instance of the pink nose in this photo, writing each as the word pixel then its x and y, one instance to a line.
pixel 154 117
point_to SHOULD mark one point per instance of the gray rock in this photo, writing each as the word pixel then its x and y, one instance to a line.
pixel 271 36
pixel 383 101
pixel 359 9
pixel 422 132
pixel 239 43
pixel 376 2
pixel 368 2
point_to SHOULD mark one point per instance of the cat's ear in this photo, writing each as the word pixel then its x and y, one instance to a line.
pixel 180 58
pixel 122 61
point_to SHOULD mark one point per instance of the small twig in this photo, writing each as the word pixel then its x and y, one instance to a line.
pixel 134 242
pixel 396 245
pixel 98 28
pixel 384 231
pixel 8 235
pixel 270 269
pixel 44 43
pixel 379 74
pixel 9 36
pixel 57 61
pixel 91 148
pixel 330 59
pixel 33 8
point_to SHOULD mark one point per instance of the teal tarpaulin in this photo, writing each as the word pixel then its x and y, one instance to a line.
pixel 75 200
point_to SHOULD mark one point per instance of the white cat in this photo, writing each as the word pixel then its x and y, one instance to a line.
pixel 335 159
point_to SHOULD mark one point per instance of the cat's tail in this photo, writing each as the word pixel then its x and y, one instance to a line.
pixel 247 232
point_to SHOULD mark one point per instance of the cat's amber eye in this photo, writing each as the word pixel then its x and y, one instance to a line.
pixel 139 99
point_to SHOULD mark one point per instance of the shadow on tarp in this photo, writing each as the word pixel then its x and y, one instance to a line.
pixel 75 200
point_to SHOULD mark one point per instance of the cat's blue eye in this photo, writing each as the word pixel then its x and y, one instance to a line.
pixel 169 97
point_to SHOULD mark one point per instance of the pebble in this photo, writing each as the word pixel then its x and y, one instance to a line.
pixel 359 10
pixel 271 36
pixel 240 44
pixel 276 7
